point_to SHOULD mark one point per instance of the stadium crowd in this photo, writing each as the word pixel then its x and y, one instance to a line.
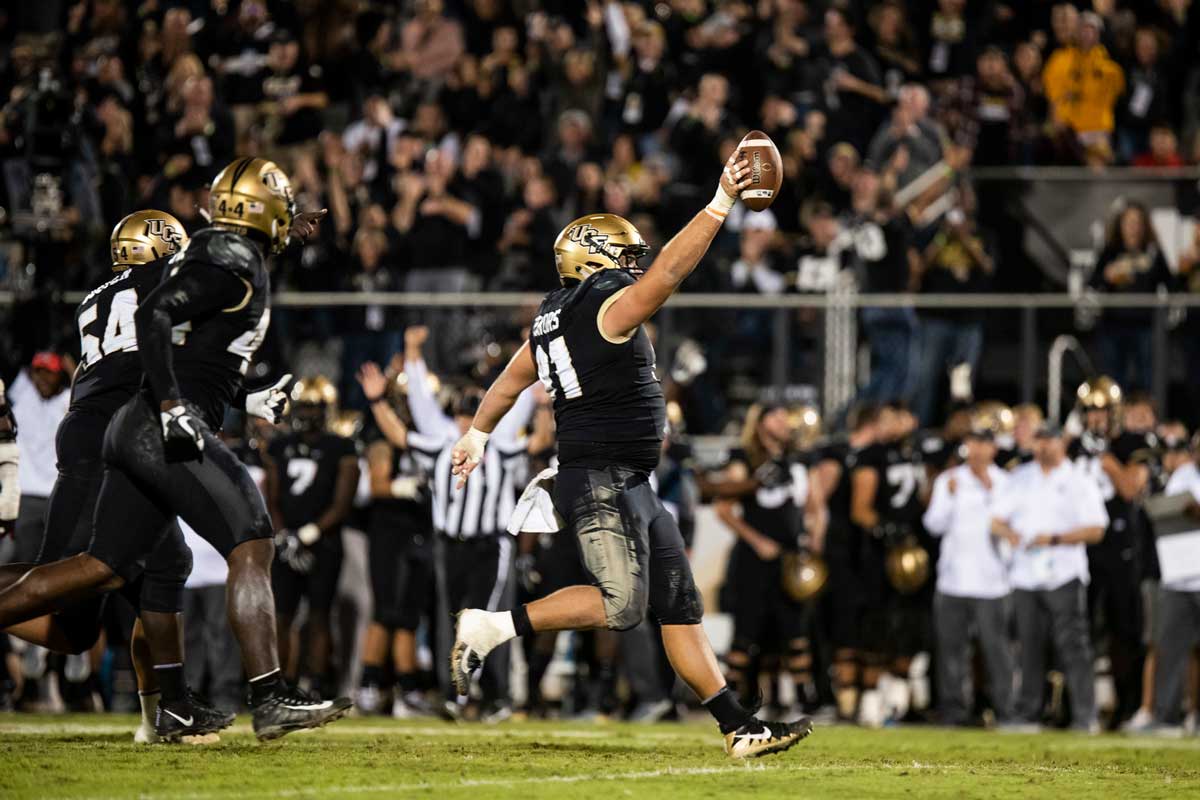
pixel 451 142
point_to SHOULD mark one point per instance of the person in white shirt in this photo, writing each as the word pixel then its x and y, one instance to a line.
pixel 972 582
pixel 39 401
pixel 1178 626
pixel 1047 514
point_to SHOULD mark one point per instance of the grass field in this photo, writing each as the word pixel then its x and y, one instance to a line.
pixel 93 756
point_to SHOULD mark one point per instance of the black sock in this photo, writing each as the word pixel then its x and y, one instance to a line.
pixel 521 623
pixel 264 686
pixel 170 682
pixel 726 709
pixel 407 681
pixel 372 675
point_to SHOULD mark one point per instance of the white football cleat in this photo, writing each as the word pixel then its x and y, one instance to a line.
pixel 476 635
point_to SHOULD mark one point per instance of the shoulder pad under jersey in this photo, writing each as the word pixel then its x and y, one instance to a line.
pixel 227 250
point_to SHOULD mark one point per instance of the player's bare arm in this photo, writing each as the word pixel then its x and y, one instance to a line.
pixel 518 376
pixel 864 483
pixel 374 385
pixel 678 258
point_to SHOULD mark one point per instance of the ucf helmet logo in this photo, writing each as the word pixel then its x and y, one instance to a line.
pixel 595 241
pixel 160 228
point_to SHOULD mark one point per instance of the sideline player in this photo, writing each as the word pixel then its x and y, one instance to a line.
pixel 196 335
pixel 589 349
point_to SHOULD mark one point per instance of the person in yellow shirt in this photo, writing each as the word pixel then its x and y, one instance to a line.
pixel 1083 83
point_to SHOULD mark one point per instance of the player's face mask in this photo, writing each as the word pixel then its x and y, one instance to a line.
pixel 308 418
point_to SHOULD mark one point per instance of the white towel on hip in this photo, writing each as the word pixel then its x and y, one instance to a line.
pixel 535 511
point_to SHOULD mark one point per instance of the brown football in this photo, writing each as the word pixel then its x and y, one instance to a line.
pixel 766 170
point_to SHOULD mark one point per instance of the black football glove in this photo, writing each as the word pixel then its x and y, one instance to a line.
pixel 183 431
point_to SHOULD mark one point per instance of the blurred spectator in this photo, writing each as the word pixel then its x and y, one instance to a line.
pixel 374 135
pixel 849 85
pixel 431 43
pixel 883 256
pixel 954 262
pixel 951 42
pixel 910 143
pixel 894 45
pixel 1164 149
pixel 835 182
pixel 697 136
pixel 988 114
pixel 371 333
pixel 1144 101
pixel 39 400
pixel 1131 262
pixel 647 97
pixel 1083 83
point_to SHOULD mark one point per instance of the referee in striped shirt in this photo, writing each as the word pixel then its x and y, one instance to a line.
pixel 473 552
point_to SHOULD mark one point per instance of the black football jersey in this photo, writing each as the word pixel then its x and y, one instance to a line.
pixel 608 403
pixel 901 476
pixel 306 472
pixel 110 368
pixel 212 354
pixel 1086 451
pixel 776 508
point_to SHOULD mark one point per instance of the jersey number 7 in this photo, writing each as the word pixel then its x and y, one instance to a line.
pixel 557 365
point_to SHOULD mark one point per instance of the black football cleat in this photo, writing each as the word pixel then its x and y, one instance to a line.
pixel 293 710
pixel 757 738
pixel 191 717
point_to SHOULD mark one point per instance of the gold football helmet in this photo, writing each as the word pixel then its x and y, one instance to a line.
pixel 804 575
pixel 1101 392
pixel 596 242
pixel 145 236
pixel 806 425
pixel 314 404
pixel 254 194
pixel 994 416
pixel 907 566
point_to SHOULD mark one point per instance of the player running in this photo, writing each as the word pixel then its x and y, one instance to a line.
pixel 109 373
pixel 589 349
pixel 196 334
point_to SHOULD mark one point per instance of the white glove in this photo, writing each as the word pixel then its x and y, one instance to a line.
pixel 10 489
pixel 269 403
pixel 308 534
pixel 406 487
pixel 183 434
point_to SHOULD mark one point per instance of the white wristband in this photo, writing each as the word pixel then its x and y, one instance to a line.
pixel 719 206
pixel 308 534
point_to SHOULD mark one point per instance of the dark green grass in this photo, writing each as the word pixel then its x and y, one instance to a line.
pixel 94 757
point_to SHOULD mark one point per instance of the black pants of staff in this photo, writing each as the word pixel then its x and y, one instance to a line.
pixel 475 573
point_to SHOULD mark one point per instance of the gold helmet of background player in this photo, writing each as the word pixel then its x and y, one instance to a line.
pixel 805 422
pixel 994 416
pixel 596 242
pixel 1101 392
pixel 254 194
pixel 804 575
pixel 907 566
pixel 145 236
pixel 314 404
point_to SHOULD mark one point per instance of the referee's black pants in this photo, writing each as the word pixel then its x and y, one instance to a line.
pixel 475 573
